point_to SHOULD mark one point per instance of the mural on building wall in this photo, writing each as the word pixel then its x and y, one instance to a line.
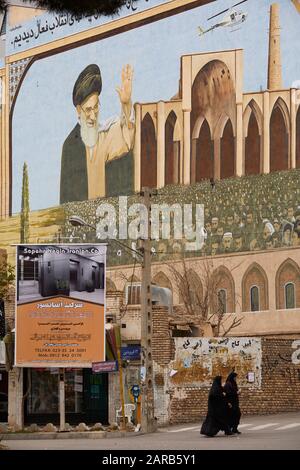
pixel 198 360
pixel 45 28
pixel 265 215
pixel 152 142
pixel 91 154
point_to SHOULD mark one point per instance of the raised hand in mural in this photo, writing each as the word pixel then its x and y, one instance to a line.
pixel 125 89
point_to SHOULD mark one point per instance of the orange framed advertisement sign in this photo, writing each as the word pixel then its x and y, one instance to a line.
pixel 60 305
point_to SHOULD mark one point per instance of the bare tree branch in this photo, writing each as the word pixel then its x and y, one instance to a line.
pixel 235 323
pixel 200 293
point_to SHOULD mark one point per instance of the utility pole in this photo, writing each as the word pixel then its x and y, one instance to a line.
pixel 147 396
pixel 62 411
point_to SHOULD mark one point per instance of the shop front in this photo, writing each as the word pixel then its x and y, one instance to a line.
pixel 3 394
pixel 86 396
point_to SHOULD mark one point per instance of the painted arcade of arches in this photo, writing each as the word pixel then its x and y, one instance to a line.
pixel 279 137
pixel 224 284
pixel 288 285
pixel 253 124
pixel 254 283
pixel 212 117
pixel 213 133
pixel 172 150
pixel 255 289
pixel 162 280
pixel 191 290
pixel 148 153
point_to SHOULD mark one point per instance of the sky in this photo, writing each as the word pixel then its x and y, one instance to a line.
pixel 44 114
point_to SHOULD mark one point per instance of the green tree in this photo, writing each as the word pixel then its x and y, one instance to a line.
pixel 24 230
pixel 7 277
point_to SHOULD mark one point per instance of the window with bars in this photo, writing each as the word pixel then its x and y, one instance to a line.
pixel 222 298
pixel 289 291
pixel 254 299
pixel 133 294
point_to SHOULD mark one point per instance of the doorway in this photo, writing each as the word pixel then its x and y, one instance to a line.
pixel 3 396
pixel 86 396
pixel 74 266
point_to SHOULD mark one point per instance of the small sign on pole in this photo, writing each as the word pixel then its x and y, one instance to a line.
pixel 135 390
pixel 131 353
pixel 104 367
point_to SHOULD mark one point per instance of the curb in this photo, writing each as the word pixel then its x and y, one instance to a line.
pixel 67 435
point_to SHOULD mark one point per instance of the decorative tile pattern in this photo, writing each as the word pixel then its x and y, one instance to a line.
pixel 16 71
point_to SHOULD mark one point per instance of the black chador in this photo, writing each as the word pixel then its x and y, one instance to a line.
pixel 232 395
pixel 217 418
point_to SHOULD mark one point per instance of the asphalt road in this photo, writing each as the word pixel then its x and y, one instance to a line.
pixel 268 432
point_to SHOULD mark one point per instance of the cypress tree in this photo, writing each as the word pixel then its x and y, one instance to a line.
pixel 24 231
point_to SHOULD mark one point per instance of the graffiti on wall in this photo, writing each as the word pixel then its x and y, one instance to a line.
pixel 285 365
pixel 198 360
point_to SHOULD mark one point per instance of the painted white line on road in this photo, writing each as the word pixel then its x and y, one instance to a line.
pixel 240 426
pixel 244 425
pixel 263 426
pixel 288 426
pixel 185 429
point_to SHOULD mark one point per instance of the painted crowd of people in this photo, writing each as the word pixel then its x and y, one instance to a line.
pixel 249 213
pixel 261 213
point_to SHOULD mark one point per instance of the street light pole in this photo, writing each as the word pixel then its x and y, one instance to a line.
pixel 77 221
pixel 147 395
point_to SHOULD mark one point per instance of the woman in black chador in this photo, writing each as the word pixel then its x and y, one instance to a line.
pixel 217 418
pixel 232 395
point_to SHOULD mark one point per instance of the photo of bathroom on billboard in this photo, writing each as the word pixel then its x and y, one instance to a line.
pixel 47 271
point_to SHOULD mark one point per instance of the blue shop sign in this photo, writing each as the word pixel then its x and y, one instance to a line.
pixel 131 353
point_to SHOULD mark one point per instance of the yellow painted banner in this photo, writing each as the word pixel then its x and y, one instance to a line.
pixel 60 332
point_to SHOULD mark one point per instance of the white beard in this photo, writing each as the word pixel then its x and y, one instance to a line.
pixel 88 134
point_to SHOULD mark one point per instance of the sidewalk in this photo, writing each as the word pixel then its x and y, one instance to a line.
pixel 23 436
pixel 40 434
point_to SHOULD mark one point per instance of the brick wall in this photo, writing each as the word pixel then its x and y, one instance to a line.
pixel 114 303
pixel 162 353
pixel 279 389
pixel 162 344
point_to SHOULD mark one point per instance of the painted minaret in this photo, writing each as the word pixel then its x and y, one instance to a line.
pixel 274 70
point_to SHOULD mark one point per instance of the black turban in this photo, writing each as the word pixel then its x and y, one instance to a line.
pixel 88 82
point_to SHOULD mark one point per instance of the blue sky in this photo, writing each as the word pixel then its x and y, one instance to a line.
pixel 44 114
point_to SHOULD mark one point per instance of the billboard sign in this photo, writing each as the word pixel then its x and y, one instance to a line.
pixel 60 311
pixel 43 29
